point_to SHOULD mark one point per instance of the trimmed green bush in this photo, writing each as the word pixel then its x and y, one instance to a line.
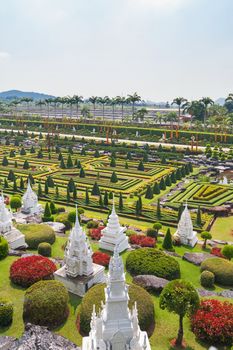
pixel 92 224
pixel 149 261
pixel 6 312
pixel 63 218
pixel 96 294
pixel 45 249
pixel 36 234
pixel 46 304
pixel 221 268
pixel 207 279
pixel 4 248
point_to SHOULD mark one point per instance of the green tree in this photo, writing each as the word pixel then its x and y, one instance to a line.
pixel 22 152
pixel 181 298
pixel 163 159
pixel 5 183
pixel 57 191
pixel 96 154
pixel 39 192
pixel 26 164
pixel 205 235
pixel 129 156
pixel 75 193
pixel 156 189
pixel 180 211
pixel 53 208
pixel 145 157
pixel 113 162
pixel 167 242
pixel 62 164
pixel 69 162
pixel 141 166
pixel 126 165
pixel 11 175
pixel 71 185
pixel 50 181
pixel 67 195
pixel 15 202
pixel 149 193
pixel 157 226
pixel 47 211
pixel 121 205
pixel 178 174
pixel 15 187
pixel 162 184
pixel 46 188
pixel 106 198
pixel 5 161
pixel 40 154
pixel 82 172
pixel 227 251
pixel 173 177
pixel 114 178
pixel 87 200
pixel 179 101
pixel 168 181
pixel 198 220
pixel 137 208
pixel 95 190
pixel 12 153
pixel 21 183
pixel 158 210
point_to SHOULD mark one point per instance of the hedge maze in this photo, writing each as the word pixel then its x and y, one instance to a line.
pixel 202 194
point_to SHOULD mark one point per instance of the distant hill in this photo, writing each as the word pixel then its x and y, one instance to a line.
pixel 12 94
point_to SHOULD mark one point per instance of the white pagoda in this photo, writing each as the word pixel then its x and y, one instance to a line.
pixel 185 229
pixel 30 202
pixel 113 234
pixel 14 237
pixel 79 273
pixel 116 327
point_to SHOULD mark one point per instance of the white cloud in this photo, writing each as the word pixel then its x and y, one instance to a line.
pixel 4 55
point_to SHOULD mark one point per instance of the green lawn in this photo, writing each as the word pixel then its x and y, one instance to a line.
pixel 223 229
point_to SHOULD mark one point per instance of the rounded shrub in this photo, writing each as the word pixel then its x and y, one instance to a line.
pixel 213 322
pixel 149 261
pixel 31 269
pixel 45 249
pixel 151 232
pixel 46 304
pixel 95 295
pixel 4 248
pixel 63 219
pixel 207 279
pixel 6 312
pixel 221 268
pixel 36 234
pixel 92 224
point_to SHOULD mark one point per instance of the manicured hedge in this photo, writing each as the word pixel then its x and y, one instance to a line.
pixel 6 312
pixel 46 304
pixel 3 247
pixel 96 294
pixel 31 269
pixel 207 279
pixel 36 234
pixel 221 268
pixel 149 261
pixel 44 249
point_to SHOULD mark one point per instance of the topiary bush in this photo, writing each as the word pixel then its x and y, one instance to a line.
pixel 45 249
pixel 96 294
pixel 221 268
pixel 213 322
pixel 31 269
pixel 63 218
pixel 36 234
pixel 6 312
pixel 46 304
pixel 4 248
pixel 92 224
pixel 149 261
pixel 207 279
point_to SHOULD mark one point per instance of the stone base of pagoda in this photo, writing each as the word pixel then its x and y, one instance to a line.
pixel 79 285
pixel 108 243
pixel 190 242
pixel 15 239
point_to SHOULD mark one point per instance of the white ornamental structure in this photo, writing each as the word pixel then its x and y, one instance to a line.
pixel 116 327
pixel 185 229
pixel 114 234
pixel 30 202
pixel 14 237
pixel 79 273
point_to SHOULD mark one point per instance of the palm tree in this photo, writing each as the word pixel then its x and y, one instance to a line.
pixel 40 103
pixel 104 101
pixel 93 100
pixel 122 101
pixel 27 100
pixel 206 101
pixel 140 114
pixel 48 102
pixel 133 99
pixel 77 100
pixel 113 102
pixel 85 111
pixel 158 117
pixel 229 98
pixel 179 101
pixel 171 117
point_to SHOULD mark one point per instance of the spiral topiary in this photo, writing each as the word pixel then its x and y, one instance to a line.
pixel 46 304
pixel 6 312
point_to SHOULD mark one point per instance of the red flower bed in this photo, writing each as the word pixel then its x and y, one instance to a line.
pixel 142 240
pixel 213 322
pixel 26 271
pixel 95 233
pixel 101 258
pixel 217 252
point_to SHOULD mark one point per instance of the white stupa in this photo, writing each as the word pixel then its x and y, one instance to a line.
pixel 30 202
pixel 113 234
pixel 14 237
pixel 79 273
pixel 115 326
pixel 185 229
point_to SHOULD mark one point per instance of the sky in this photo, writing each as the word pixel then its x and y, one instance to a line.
pixel 160 49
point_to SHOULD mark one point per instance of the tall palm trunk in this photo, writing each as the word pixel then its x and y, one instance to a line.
pixel 122 112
